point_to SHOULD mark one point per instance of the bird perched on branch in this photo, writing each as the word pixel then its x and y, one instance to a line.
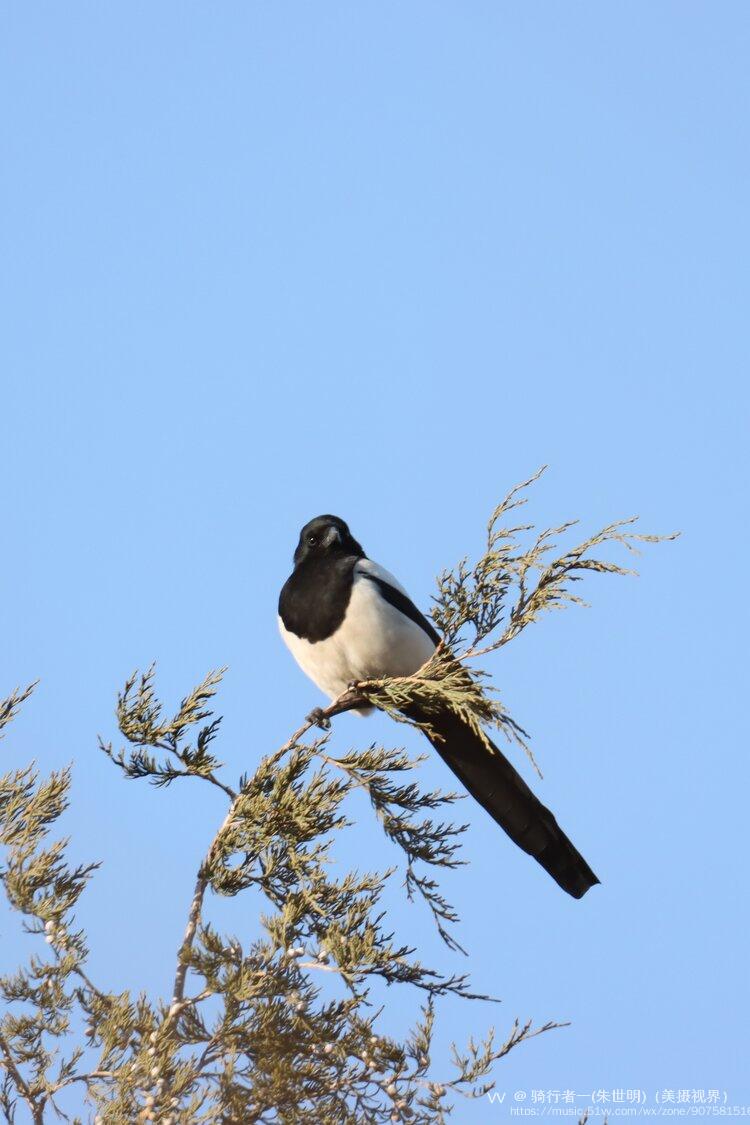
pixel 345 620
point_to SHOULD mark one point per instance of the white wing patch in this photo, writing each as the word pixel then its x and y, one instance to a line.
pixel 367 566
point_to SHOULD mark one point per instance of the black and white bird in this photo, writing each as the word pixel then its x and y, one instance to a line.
pixel 345 619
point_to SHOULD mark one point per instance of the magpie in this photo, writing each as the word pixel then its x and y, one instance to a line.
pixel 345 619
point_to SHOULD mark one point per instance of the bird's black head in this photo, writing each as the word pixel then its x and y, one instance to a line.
pixel 326 535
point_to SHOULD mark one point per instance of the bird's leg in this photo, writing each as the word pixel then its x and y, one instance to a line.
pixel 318 718
pixel 351 700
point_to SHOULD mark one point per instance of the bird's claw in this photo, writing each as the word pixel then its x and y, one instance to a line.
pixel 318 718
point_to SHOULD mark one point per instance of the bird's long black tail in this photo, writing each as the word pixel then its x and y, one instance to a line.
pixel 492 780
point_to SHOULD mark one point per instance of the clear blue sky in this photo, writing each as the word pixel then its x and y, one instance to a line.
pixel 261 261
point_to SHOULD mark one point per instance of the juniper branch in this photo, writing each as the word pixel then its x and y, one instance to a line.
pixel 7 1061
pixel 511 585
pixel 10 706
pixel 345 702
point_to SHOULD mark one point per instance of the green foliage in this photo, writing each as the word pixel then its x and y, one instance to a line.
pixel 35 1045
pixel 480 607
pixel 139 717
pixel 281 1028
pixel 282 1024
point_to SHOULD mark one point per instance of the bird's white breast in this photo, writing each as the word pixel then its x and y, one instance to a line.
pixel 375 639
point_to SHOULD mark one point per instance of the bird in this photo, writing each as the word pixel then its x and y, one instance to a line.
pixel 346 619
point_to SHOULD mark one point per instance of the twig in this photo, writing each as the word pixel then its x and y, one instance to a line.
pixel 92 1076
pixel 37 1109
pixel 192 773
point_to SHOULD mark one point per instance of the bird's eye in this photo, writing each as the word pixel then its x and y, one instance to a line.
pixel 312 540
